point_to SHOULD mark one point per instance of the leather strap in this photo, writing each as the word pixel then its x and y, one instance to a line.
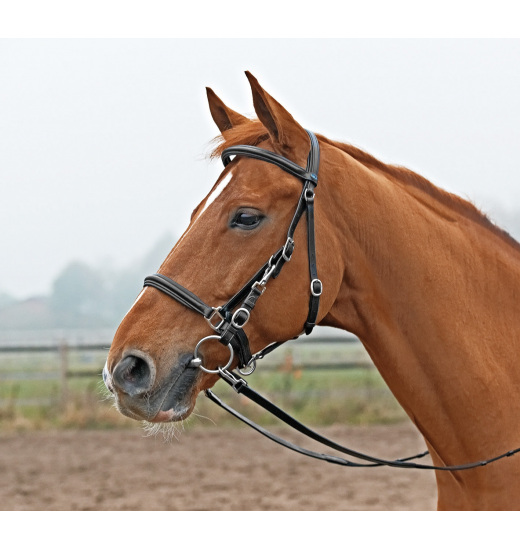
pixel 316 286
pixel 179 293
pixel 235 300
pixel 262 154
pixel 241 386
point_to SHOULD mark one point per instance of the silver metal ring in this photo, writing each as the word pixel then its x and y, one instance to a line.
pixel 216 371
pixel 249 368
pixel 318 292
pixel 233 319
pixel 309 194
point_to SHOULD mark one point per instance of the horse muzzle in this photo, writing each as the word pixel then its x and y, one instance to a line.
pixel 139 395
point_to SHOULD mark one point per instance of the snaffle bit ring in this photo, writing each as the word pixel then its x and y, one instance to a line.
pixel 198 360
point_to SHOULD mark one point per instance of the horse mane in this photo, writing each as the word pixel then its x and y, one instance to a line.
pixel 254 133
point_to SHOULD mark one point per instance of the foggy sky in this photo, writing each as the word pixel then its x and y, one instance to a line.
pixel 102 142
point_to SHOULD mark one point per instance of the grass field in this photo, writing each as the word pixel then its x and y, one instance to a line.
pixel 36 394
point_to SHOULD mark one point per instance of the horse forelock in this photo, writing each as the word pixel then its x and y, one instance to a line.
pixel 252 132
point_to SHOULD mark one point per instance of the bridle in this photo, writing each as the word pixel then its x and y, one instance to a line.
pixel 228 320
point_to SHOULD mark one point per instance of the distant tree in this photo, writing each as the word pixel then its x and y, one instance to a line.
pixel 78 297
pixel 157 254
pixel 84 297
pixel 124 285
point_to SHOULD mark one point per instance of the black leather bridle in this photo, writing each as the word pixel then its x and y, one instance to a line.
pixel 228 320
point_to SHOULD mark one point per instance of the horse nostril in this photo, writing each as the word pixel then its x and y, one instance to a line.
pixel 132 375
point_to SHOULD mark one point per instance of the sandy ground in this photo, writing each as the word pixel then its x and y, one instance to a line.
pixel 206 469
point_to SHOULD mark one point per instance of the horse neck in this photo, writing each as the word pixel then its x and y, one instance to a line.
pixel 432 293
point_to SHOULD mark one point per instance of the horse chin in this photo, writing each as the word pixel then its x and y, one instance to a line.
pixel 172 415
pixel 179 401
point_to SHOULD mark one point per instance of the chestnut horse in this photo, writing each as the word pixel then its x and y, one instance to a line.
pixel 429 285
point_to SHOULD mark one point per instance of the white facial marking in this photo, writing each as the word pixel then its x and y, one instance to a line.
pixel 216 192
pixel 136 300
pixel 140 296
pixel 211 199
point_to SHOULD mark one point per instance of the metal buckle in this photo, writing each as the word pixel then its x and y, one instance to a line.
pixel 260 285
pixel 233 319
pixel 316 292
pixel 309 194
pixel 287 256
pixel 216 311
pixel 197 361
pixel 236 383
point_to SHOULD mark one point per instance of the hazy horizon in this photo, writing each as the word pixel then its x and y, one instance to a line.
pixel 102 141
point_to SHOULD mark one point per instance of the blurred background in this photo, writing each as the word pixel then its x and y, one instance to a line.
pixel 103 156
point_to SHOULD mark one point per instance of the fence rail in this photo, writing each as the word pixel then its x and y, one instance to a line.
pixel 60 362
pixel 42 348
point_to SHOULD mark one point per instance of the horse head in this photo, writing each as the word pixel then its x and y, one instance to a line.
pixel 232 233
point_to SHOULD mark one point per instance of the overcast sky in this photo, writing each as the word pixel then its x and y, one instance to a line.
pixel 102 142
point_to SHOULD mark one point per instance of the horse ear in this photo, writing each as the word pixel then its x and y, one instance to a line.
pixel 289 138
pixel 224 117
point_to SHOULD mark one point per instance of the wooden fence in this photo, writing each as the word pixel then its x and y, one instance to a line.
pixel 61 362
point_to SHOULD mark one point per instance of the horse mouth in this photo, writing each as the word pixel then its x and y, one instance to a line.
pixel 171 400
pixel 177 402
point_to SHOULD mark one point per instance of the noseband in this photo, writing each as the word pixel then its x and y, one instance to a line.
pixel 228 320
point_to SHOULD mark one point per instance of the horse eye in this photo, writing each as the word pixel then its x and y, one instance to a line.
pixel 245 219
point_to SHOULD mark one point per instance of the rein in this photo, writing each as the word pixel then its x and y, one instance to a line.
pixel 228 321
